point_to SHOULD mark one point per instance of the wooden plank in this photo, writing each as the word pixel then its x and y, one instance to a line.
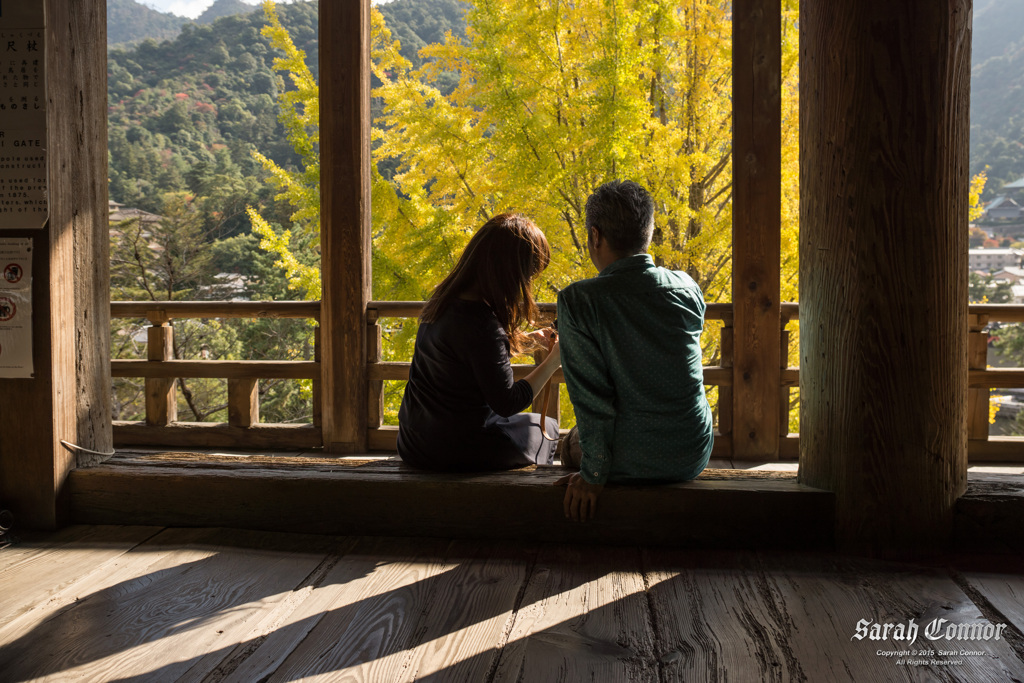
pixel 217 435
pixel 584 617
pixel 374 620
pixel 243 403
pixel 715 616
pixel 757 177
pixel 1002 588
pixel 171 310
pixel 470 613
pixel 412 309
pixel 996 378
pixel 834 593
pixel 32 572
pixel 996 449
pixel 216 369
pixel 345 239
pixel 793 617
pixel 990 515
pixel 725 402
pixel 161 618
pixel 513 505
pixel 1004 313
pixel 397 371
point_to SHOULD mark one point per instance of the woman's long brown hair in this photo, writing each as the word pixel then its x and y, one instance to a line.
pixel 500 262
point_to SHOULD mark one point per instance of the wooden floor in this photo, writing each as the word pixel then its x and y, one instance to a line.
pixel 101 603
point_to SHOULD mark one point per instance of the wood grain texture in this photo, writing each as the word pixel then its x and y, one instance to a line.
pixel 160 617
pixel 584 617
pixel 231 369
pixel 217 435
pixel 501 505
pixel 67 385
pixel 374 620
pixel 243 403
pixel 756 232
pixel 833 593
pixel 884 92
pixel 977 398
pixel 715 615
pixel 83 62
pixel 345 239
pixel 161 393
pixel 33 572
pixel 172 310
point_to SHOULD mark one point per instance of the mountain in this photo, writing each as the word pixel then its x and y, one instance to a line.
pixel 130 22
pixel 224 8
pixel 997 93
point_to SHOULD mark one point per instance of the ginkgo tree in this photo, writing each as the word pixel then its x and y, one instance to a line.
pixel 553 99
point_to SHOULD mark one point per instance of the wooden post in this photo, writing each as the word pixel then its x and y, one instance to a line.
pixel 977 359
pixel 756 236
pixel 317 396
pixel 884 94
pixel 345 219
pixel 375 388
pixel 161 393
pixel 725 392
pixel 68 398
pixel 783 390
pixel 243 402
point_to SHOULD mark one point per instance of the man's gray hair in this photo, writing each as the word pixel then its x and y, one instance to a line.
pixel 624 213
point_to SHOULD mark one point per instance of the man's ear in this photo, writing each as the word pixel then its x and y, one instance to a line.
pixel 594 236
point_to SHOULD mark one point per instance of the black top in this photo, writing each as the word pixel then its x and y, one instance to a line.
pixel 459 382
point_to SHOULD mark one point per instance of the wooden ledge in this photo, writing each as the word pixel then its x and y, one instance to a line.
pixel 722 508
pixel 990 515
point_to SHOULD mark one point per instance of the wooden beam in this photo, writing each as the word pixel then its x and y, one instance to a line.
pixel 884 127
pixel 217 435
pixel 344 219
pixel 392 499
pixel 216 369
pixel 243 403
pixel 171 310
pixel 756 231
pixel 68 398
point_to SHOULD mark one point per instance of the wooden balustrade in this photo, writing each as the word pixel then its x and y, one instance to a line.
pixel 243 429
pixel 161 373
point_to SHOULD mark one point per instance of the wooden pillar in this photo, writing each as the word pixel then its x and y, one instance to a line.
pixel 69 396
pixel 884 90
pixel 977 359
pixel 756 238
pixel 344 220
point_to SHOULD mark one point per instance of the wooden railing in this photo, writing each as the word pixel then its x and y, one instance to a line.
pixel 384 437
pixel 161 372
pixel 243 429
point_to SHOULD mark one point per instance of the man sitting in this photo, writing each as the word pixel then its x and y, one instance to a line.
pixel 630 341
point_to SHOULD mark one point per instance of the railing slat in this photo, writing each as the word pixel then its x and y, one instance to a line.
pixel 215 309
pixel 216 369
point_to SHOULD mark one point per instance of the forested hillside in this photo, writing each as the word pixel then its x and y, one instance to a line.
pixel 185 117
pixel 997 93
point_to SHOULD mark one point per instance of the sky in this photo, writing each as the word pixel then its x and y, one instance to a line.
pixel 193 8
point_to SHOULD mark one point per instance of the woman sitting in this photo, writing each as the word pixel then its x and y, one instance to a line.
pixel 461 408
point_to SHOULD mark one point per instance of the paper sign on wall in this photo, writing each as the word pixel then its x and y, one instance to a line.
pixel 16 307
pixel 23 142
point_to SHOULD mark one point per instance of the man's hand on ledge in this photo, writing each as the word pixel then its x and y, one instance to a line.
pixel 580 500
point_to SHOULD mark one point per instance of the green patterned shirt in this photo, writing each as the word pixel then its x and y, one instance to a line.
pixel 630 341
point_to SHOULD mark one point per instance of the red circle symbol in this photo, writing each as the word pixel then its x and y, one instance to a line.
pixel 13 273
pixel 7 309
